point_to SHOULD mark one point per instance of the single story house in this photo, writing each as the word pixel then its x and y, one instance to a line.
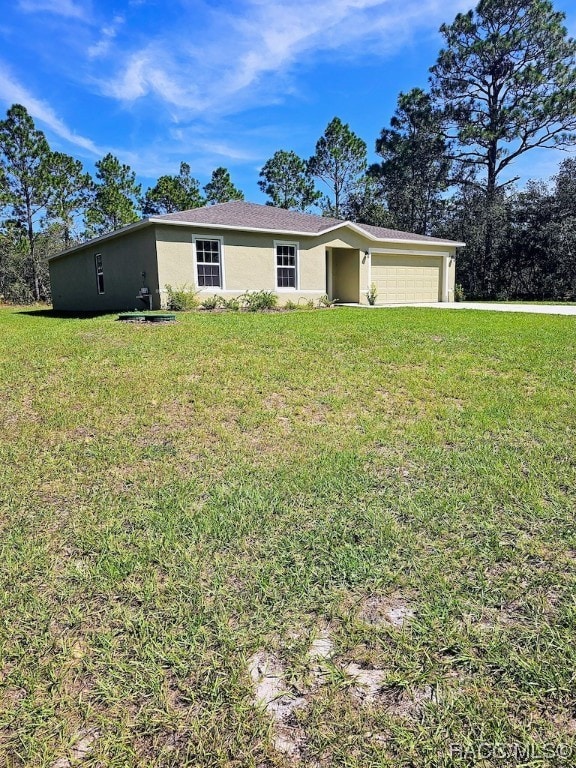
pixel 236 247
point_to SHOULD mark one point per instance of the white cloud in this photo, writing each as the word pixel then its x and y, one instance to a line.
pixel 153 160
pixel 12 92
pixel 244 58
pixel 66 8
pixel 227 151
pixel 142 75
pixel 108 33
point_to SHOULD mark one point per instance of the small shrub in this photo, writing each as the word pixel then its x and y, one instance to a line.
pixel 213 302
pixel 255 301
pixel 182 299
pixel 309 304
pixel 290 305
pixel 233 304
pixel 324 301
pixel 371 294
pixel 459 293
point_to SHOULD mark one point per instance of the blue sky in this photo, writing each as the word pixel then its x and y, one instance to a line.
pixel 219 83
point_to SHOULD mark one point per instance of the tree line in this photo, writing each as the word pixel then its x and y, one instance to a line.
pixel 50 203
pixel 503 85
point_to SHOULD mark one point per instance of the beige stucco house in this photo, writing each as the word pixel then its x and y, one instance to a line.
pixel 236 247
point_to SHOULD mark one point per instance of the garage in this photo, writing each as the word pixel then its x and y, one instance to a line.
pixel 400 278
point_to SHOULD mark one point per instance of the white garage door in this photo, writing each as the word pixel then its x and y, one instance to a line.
pixel 406 278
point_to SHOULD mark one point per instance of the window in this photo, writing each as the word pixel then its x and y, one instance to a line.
pixel 286 265
pixel 99 273
pixel 208 263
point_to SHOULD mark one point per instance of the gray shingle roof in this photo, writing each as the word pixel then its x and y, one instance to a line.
pixel 382 233
pixel 266 217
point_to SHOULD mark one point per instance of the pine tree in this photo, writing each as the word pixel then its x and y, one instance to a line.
pixel 25 185
pixel 115 197
pixel 415 167
pixel 220 188
pixel 171 194
pixel 286 181
pixel 340 162
pixel 506 81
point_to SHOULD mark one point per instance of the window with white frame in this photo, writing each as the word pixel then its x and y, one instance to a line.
pixel 286 262
pixel 209 263
pixel 99 272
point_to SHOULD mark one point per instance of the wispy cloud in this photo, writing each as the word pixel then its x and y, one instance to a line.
pixel 226 151
pixel 143 74
pixel 67 8
pixel 243 58
pixel 152 160
pixel 177 80
pixel 108 33
pixel 12 92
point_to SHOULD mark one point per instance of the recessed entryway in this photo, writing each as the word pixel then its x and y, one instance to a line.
pixel 345 275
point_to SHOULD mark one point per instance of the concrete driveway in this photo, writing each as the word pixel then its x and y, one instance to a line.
pixel 497 306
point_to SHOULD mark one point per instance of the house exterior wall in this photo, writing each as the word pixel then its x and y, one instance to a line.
pixel 249 262
pixel 73 276
pixel 166 254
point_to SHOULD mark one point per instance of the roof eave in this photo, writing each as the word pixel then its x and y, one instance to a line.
pixel 265 230
pixel 447 243
pixel 294 232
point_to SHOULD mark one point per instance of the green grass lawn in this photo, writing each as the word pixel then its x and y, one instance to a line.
pixel 188 510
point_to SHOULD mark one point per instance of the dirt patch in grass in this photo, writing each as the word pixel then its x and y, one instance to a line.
pixel 322 648
pixel 153 749
pixel 177 696
pixel 320 652
pixel 566 722
pixel 83 743
pixel 272 693
pixel 393 610
pixel 275 402
pixel 407 703
pixel 369 687
pixel 12 696
pixel 367 682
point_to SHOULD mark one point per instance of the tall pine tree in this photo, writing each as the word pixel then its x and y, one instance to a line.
pixel 415 167
pixel 25 186
pixel 171 194
pixel 286 181
pixel 340 162
pixel 220 188
pixel 115 196
pixel 506 81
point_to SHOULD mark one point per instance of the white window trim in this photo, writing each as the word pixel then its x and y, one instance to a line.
pixel 295 244
pixel 100 292
pixel 213 288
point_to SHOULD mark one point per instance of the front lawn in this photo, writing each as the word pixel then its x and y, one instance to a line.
pixel 330 538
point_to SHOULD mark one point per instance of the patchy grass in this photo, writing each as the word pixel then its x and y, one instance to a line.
pixel 191 513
